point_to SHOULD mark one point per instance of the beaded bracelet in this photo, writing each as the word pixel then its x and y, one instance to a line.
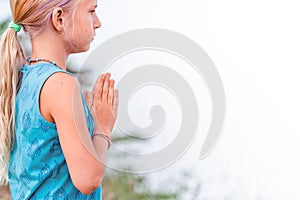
pixel 107 138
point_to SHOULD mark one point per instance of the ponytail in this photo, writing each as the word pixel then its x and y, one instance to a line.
pixel 12 58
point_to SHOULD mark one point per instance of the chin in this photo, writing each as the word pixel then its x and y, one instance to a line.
pixel 85 49
pixel 81 49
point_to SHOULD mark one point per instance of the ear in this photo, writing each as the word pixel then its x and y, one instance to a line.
pixel 58 19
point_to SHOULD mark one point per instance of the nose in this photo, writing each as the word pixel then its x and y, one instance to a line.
pixel 97 23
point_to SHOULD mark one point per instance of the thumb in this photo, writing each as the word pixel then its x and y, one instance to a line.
pixel 88 96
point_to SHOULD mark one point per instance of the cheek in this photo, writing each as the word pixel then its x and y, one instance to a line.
pixel 86 34
pixel 84 23
pixel 87 28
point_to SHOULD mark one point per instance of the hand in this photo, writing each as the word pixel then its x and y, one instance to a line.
pixel 104 104
pixel 88 96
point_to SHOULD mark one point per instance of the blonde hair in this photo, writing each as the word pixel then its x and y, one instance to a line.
pixel 33 16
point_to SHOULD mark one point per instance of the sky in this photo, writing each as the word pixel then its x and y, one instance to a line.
pixel 255 46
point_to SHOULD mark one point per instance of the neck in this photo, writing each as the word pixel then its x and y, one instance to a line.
pixel 50 47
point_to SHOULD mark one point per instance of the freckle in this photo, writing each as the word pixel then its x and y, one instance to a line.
pixel 85 30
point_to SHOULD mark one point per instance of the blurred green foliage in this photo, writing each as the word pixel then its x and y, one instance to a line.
pixel 124 186
pixel 4 25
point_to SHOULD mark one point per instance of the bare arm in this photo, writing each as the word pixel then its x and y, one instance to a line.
pixel 85 158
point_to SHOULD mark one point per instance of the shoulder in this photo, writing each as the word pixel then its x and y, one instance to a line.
pixel 60 81
pixel 59 91
pixel 62 77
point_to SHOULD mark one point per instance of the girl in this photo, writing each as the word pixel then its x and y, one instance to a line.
pixel 53 140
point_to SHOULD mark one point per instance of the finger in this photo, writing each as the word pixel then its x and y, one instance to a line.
pixel 105 88
pixel 111 92
pixel 95 85
pixel 115 103
pixel 98 87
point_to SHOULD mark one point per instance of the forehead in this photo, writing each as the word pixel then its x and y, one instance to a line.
pixel 87 3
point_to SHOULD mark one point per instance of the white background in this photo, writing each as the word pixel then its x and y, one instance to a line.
pixel 255 46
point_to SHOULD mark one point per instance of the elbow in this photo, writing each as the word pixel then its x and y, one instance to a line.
pixel 87 185
pixel 86 189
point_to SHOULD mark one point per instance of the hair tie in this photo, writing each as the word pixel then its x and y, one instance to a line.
pixel 14 26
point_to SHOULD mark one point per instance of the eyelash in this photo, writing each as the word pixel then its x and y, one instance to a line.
pixel 93 11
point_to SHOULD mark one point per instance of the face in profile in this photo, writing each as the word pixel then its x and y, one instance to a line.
pixel 85 23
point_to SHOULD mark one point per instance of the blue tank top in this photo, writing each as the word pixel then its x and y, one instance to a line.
pixel 37 167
